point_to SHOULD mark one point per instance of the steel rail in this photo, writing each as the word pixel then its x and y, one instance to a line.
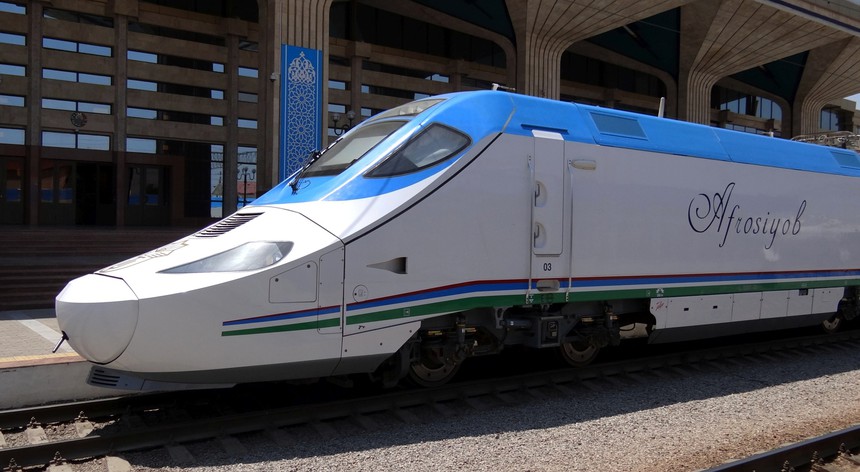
pixel 99 443
pixel 798 454
pixel 92 408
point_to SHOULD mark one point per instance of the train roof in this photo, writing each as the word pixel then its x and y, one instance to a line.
pixel 609 127
pixel 483 115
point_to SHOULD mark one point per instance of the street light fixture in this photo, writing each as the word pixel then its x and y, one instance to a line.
pixel 244 173
pixel 339 130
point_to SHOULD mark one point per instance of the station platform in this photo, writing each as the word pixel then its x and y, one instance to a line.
pixel 30 374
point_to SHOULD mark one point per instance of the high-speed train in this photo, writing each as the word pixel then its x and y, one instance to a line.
pixel 458 225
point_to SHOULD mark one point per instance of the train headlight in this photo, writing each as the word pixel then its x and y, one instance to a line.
pixel 249 256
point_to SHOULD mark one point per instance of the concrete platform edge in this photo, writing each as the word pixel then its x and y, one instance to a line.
pixel 31 385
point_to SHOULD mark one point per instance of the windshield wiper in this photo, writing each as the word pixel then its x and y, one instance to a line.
pixel 312 157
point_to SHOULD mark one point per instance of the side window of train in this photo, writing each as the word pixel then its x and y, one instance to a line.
pixel 434 145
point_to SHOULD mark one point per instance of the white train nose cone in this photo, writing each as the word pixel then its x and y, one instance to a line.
pixel 99 315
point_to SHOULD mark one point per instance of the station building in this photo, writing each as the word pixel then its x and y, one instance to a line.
pixel 175 112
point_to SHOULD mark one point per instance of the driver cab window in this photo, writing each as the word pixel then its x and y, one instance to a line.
pixel 436 144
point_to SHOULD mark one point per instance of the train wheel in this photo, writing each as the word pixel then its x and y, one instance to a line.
pixel 832 324
pixel 432 371
pixel 578 354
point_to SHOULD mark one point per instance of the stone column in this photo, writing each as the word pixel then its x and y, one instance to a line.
pixel 122 10
pixel 267 131
pixel 694 86
pixel 357 54
pixel 34 116
pixel 538 63
pixel 832 72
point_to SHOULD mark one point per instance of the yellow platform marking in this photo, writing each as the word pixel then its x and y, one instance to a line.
pixel 39 359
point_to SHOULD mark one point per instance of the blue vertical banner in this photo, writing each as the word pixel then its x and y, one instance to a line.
pixel 301 106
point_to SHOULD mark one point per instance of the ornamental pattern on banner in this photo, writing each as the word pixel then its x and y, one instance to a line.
pixel 301 111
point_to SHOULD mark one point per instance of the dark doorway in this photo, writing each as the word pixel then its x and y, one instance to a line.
pixel 94 194
pixel 56 192
pixel 147 196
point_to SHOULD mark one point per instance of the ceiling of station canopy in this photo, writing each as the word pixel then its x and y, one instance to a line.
pixel 654 41
pixel 491 15
pixel 780 77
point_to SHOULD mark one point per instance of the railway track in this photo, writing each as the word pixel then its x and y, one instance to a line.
pixel 828 453
pixel 36 437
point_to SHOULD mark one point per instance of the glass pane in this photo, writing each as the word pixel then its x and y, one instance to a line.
pixel 100 108
pixel 58 104
pixel 142 56
pixel 12 100
pixel 248 97
pixel 245 123
pixel 46 182
pixel 153 186
pixel 248 72
pixel 16 39
pixel 11 136
pixel 95 50
pixel 63 140
pixel 12 69
pixel 94 141
pixel 59 75
pixel 64 181
pixel 59 44
pixel 134 186
pixel 95 79
pixel 344 152
pixel 14 177
pixel 140 145
pixel 142 85
pixel 9 7
pixel 434 145
pixel 144 113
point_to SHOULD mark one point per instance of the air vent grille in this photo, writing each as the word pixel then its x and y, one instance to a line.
pixel 227 224
pixel 103 379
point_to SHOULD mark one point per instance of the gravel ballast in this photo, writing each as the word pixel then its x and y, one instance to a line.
pixel 680 419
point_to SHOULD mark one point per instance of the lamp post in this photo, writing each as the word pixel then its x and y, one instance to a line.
pixel 339 130
pixel 244 173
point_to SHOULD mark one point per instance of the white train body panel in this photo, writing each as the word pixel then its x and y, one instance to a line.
pixel 541 207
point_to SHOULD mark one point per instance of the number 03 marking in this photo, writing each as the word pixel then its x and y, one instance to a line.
pixel 547 266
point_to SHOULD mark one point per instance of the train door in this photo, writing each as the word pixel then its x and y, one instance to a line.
pixel 330 315
pixel 549 173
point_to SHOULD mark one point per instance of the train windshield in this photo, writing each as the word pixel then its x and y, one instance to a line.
pixel 434 145
pixel 344 152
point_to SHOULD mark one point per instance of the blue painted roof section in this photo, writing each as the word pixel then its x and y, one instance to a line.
pixel 649 133
pixel 548 115
pixel 484 113
pixel 657 134
pixel 775 152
